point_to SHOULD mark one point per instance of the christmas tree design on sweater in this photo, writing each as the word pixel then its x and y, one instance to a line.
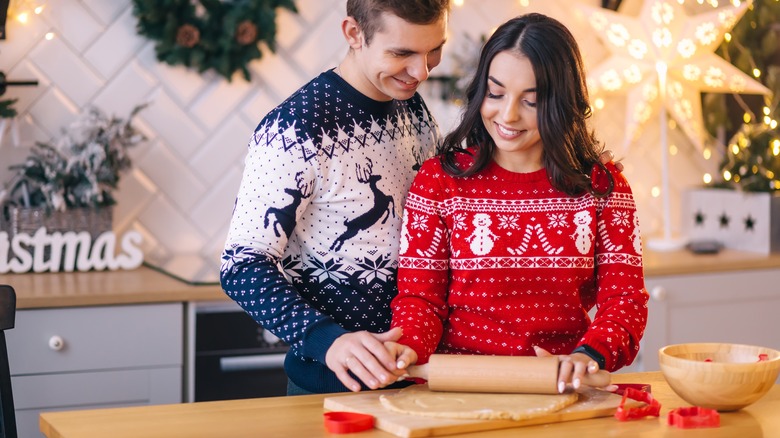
pixel 312 250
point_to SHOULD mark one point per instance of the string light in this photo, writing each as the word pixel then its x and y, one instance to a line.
pixel 707 178
pixel 664 58
pixel 23 10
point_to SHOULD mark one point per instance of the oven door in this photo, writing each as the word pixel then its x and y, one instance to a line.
pixel 234 357
pixel 227 376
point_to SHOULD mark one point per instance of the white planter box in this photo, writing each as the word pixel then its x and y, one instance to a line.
pixel 738 220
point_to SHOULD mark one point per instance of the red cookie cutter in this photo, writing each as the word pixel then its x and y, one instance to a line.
pixel 347 422
pixel 652 406
pixel 621 387
pixel 693 417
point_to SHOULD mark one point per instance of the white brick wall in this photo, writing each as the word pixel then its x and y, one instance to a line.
pixel 179 194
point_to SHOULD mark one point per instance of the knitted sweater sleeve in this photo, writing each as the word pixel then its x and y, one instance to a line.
pixel 271 199
pixel 420 307
pixel 619 294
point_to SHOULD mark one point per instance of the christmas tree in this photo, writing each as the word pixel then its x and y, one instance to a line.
pixel 751 161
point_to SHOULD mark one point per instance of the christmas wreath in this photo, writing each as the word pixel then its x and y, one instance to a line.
pixel 210 34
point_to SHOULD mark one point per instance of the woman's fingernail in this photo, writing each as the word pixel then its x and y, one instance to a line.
pixel 576 382
pixel 561 387
pixel 401 364
pixel 593 367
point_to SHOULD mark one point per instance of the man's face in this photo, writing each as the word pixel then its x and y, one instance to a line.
pixel 399 57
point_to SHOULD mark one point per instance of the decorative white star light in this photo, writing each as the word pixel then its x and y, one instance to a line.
pixel 664 59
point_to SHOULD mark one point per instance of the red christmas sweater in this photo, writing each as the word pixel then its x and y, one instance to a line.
pixel 500 261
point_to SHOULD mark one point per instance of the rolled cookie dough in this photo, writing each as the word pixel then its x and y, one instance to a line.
pixel 419 400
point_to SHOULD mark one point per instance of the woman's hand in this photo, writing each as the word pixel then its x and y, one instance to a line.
pixel 364 355
pixel 404 355
pixel 576 370
pixel 608 156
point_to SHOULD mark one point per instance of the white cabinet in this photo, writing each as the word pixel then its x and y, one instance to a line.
pixel 739 306
pixel 94 357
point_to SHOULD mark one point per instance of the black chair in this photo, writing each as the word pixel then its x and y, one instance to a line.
pixel 7 314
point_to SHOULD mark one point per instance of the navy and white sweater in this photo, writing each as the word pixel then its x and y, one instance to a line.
pixel 312 250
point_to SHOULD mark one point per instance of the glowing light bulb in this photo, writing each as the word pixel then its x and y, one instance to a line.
pixel 23 17
pixel 746 117
pixel 726 175
pixel 707 178
pixel 756 73
pixel 655 192
pixel 458 2
pixel 49 36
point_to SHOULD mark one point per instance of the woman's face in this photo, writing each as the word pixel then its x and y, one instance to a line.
pixel 509 113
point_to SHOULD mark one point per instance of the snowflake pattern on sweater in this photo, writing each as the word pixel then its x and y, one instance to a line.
pixel 499 262
pixel 312 250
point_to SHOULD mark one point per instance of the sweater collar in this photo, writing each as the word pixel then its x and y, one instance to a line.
pixel 494 169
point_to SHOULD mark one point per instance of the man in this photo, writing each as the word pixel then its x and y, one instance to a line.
pixel 321 199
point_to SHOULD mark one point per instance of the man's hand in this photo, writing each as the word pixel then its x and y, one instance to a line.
pixel 608 156
pixel 364 355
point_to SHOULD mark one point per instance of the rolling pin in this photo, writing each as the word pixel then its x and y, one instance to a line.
pixel 500 374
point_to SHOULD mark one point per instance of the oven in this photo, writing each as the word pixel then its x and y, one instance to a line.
pixel 231 356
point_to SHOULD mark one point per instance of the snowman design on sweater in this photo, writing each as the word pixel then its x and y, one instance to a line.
pixel 519 264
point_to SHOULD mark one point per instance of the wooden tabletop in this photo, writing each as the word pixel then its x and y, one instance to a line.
pixel 301 416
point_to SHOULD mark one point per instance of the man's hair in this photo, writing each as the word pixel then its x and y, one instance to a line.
pixel 367 13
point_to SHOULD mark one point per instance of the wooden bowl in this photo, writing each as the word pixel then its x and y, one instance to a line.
pixel 718 376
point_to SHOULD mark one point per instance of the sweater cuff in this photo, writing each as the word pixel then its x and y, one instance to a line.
pixel 592 353
pixel 319 337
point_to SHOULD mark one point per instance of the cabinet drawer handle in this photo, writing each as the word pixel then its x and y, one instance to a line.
pixel 658 293
pixel 56 343
pixel 249 363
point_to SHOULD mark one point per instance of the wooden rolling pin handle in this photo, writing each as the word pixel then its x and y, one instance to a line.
pixel 599 379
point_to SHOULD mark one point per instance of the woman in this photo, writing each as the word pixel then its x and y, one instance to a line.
pixel 515 231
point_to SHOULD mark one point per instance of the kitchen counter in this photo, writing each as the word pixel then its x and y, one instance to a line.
pixel 301 416
pixel 684 262
pixel 138 286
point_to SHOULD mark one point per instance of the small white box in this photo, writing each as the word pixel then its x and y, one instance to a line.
pixel 738 220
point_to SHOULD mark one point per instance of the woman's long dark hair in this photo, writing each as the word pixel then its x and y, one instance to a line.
pixel 570 148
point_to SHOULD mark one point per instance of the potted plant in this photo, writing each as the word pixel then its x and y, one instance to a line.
pixel 67 184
